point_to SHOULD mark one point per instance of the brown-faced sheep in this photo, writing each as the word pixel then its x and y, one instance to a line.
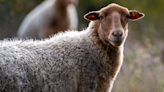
pixel 73 61
pixel 49 18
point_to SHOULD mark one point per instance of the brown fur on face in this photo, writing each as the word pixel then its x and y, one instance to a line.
pixel 114 18
pixel 113 23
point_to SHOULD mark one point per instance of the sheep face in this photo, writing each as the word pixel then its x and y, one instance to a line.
pixel 113 23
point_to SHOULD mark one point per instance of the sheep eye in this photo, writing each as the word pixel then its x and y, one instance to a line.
pixel 101 17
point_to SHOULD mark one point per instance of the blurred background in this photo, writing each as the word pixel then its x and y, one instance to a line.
pixel 143 67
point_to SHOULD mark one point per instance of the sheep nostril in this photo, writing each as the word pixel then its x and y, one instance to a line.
pixel 117 34
pixel 120 34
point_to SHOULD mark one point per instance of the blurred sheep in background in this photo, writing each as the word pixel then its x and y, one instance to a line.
pixel 48 18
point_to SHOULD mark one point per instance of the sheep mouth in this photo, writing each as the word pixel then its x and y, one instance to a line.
pixel 116 43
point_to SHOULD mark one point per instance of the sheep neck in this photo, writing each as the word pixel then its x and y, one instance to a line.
pixel 114 53
pixel 60 21
pixel 113 58
pixel 61 9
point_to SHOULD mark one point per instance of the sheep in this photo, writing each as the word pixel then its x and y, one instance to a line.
pixel 70 61
pixel 49 18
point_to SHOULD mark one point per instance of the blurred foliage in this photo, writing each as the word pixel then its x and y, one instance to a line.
pixel 142 69
pixel 12 12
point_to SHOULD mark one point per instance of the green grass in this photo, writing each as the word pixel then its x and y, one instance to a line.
pixel 3 88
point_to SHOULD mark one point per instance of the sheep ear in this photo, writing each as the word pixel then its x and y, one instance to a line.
pixel 135 15
pixel 94 15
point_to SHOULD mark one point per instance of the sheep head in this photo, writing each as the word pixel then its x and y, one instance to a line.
pixel 113 23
